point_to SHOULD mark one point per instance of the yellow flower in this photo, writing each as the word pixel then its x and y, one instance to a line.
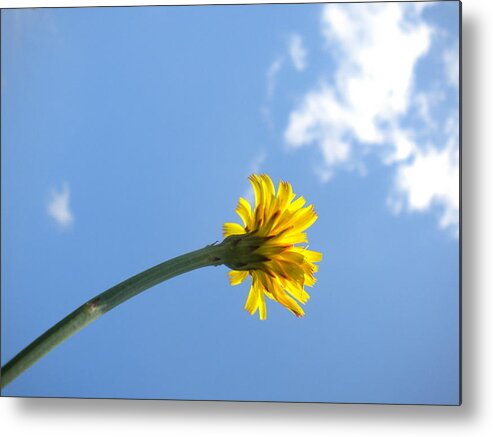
pixel 266 246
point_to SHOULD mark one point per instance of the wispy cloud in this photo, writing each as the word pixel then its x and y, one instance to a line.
pixel 376 48
pixel 272 73
pixel 451 61
pixel 297 52
pixel 58 207
pixel 255 166
pixel 256 163
pixel 271 79
pixel 32 21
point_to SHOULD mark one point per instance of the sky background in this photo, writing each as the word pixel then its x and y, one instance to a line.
pixel 128 135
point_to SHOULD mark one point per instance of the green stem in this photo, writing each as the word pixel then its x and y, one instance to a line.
pixel 93 309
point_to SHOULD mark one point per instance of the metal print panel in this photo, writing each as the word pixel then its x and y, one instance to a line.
pixel 291 170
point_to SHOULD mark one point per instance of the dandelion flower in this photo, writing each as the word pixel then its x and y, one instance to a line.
pixel 268 247
pixel 271 247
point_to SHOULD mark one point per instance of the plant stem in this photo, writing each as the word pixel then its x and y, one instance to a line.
pixel 93 309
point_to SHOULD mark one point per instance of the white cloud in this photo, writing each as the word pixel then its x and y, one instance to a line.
pixel 320 120
pixel 451 61
pixel 431 178
pixel 377 49
pixel 360 111
pixel 425 103
pixel 58 207
pixel 297 52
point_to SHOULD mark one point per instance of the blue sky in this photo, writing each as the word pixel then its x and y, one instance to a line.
pixel 128 135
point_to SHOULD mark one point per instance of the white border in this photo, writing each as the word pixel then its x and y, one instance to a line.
pixel 58 417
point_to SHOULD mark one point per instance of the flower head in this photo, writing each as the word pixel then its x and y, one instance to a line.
pixel 265 247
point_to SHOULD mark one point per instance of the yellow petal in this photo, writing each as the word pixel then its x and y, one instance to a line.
pixel 251 303
pixel 257 189
pixel 237 276
pixel 297 204
pixel 288 302
pixel 293 238
pixel 303 219
pixel 268 185
pixel 262 309
pixel 296 290
pixel 310 280
pixel 244 210
pixel 291 304
pixel 232 229
pixel 311 255
pixel 269 194
pixel 280 295
pixel 284 194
